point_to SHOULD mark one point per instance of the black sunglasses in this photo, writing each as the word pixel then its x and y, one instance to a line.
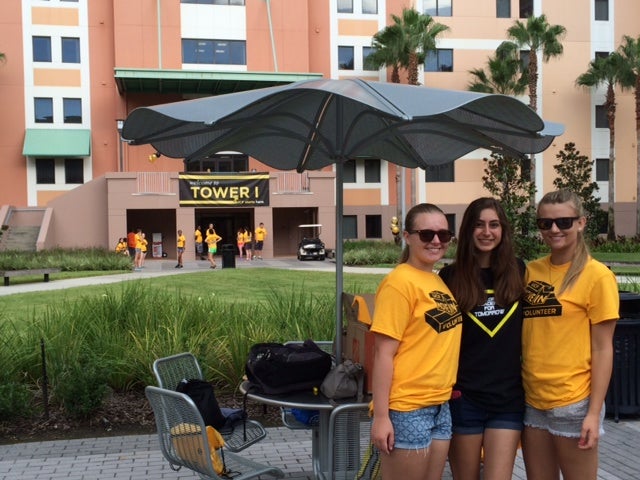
pixel 427 235
pixel 563 223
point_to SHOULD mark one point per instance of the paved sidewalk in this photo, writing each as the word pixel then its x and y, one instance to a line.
pixel 138 457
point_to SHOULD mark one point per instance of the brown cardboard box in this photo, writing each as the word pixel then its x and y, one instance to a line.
pixel 358 344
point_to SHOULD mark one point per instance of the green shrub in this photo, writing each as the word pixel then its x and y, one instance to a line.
pixel 69 260
pixel 15 400
pixel 621 245
pixel 82 385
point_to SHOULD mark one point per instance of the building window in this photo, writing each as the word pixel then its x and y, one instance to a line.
pixel 440 60
pixel 72 110
pixel 366 53
pixel 345 58
pixel 372 170
pixel 437 8
pixel 70 50
pixel 373 226
pixel 503 8
pixel 214 52
pixel 451 221
pixel 602 10
pixel 601 117
pixel 602 54
pixel 43 110
pixel 349 171
pixel 349 226
pixel 440 173
pixel 602 169
pixel 74 170
pixel 45 170
pixel 345 6
pixel 370 6
pixel 41 49
pixel 526 8
pixel 219 163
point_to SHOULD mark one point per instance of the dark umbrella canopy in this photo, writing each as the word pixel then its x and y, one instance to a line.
pixel 312 124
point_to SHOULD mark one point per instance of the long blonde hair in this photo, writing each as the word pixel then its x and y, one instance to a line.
pixel 581 254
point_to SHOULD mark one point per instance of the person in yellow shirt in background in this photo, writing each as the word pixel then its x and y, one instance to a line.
pixel 248 244
pixel 259 236
pixel 122 247
pixel 212 240
pixel 197 236
pixel 240 241
pixel 137 259
pixel 181 241
pixel 143 249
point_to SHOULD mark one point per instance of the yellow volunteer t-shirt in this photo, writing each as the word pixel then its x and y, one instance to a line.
pixel 417 308
pixel 556 333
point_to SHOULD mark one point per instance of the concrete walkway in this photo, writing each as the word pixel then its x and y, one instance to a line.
pixel 139 457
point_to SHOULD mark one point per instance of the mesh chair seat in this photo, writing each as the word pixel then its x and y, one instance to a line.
pixel 184 442
pixel 169 371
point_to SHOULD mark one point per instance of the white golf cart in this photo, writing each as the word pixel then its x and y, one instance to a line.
pixel 310 245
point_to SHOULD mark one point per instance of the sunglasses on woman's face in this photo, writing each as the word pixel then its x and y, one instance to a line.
pixel 427 235
pixel 563 223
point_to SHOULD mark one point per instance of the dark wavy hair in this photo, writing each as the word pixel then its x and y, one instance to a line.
pixel 507 274
pixel 409 222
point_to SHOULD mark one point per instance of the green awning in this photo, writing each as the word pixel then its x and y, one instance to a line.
pixel 40 142
pixel 199 82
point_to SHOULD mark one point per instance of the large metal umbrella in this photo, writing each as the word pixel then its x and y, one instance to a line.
pixel 311 124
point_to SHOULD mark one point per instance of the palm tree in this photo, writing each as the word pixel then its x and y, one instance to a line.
pixel 630 52
pixel 420 33
pixel 505 74
pixel 388 51
pixel 606 72
pixel 536 36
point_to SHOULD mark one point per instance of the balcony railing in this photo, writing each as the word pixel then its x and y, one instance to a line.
pixel 154 183
pixel 292 183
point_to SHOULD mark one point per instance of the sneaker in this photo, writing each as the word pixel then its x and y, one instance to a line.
pixel 181 266
pixel 213 266
pixel 177 266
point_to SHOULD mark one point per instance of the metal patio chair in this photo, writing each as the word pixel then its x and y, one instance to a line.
pixel 169 371
pixel 184 443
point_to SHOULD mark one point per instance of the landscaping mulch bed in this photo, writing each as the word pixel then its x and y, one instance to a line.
pixel 123 413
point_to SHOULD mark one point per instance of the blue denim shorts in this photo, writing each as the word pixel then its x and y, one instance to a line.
pixel 470 419
pixel 561 421
pixel 416 429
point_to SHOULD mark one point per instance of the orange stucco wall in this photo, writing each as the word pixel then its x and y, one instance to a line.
pixel 12 120
pixel 54 16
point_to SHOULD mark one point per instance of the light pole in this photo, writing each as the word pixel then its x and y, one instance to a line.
pixel 119 125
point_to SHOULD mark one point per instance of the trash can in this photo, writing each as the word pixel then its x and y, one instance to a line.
pixel 623 396
pixel 228 252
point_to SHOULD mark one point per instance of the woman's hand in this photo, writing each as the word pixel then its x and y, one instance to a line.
pixel 382 435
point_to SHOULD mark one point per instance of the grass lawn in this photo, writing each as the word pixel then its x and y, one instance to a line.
pixel 236 286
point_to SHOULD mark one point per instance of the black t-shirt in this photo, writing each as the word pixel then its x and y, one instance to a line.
pixel 489 372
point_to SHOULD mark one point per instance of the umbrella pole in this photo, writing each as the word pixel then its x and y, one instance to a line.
pixel 339 258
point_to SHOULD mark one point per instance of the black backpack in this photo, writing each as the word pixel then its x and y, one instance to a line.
pixel 202 394
pixel 275 368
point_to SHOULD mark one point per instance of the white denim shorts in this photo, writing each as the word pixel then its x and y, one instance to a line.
pixel 562 421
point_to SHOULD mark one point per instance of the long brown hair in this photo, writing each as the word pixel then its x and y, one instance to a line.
pixel 581 253
pixel 508 277
pixel 409 222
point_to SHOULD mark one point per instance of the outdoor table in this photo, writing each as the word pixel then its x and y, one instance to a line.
pixel 322 433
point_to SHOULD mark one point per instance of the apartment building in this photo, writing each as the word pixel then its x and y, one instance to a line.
pixel 74 69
